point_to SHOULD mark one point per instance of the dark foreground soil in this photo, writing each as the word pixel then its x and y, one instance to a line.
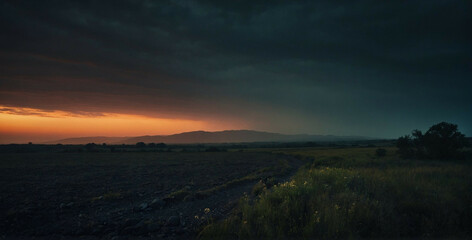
pixel 126 195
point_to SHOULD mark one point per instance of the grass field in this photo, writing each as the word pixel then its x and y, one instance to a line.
pixel 352 193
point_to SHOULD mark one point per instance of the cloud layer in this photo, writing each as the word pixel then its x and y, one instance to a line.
pixel 352 68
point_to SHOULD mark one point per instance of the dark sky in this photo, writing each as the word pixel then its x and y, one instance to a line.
pixel 370 68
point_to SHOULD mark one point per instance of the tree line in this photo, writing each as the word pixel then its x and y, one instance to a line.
pixel 441 141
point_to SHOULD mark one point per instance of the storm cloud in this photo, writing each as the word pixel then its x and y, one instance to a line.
pixel 371 68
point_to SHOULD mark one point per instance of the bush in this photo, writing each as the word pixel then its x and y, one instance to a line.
pixel 258 188
pixel 215 149
pixel 380 152
pixel 91 147
pixel 405 146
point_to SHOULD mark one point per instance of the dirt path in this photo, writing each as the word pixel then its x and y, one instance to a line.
pixel 192 214
pixel 220 204
pixel 73 199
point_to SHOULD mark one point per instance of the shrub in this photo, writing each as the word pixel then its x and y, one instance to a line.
pixel 215 149
pixel 90 146
pixel 258 188
pixel 380 152
pixel 405 146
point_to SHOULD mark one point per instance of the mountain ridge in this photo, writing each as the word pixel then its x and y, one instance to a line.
pixel 225 136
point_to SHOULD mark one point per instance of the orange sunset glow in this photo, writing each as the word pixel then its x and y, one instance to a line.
pixel 191 119
pixel 50 125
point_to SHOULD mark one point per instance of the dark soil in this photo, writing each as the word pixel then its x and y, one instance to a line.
pixel 126 195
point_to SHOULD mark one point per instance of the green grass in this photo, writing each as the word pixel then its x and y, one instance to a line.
pixel 351 193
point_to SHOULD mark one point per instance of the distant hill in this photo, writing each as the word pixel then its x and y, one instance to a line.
pixel 228 136
pixel 85 140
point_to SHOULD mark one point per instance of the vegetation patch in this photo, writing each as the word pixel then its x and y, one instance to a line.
pixel 441 141
pixel 357 195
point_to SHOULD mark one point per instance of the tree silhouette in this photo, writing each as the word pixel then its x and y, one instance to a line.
pixel 90 146
pixel 405 146
pixel 441 141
